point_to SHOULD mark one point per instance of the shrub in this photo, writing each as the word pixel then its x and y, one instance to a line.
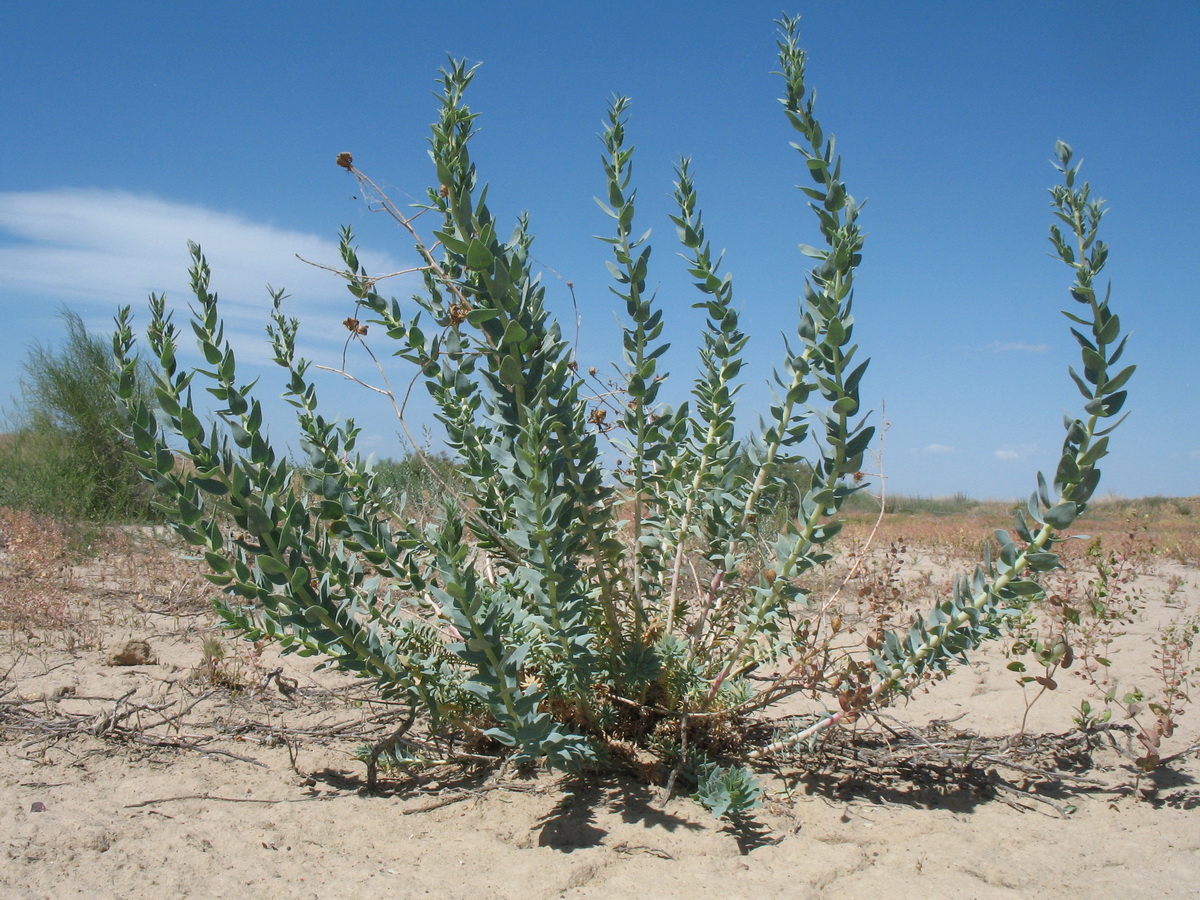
pixel 66 459
pixel 424 482
pixel 567 611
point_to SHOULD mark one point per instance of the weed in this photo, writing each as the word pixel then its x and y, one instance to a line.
pixel 233 668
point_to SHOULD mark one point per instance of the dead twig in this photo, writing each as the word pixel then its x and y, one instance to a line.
pixel 206 796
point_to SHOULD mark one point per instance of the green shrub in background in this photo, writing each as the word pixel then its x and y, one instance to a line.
pixel 566 611
pixel 424 482
pixel 63 456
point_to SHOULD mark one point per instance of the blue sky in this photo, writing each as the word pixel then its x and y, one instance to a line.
pixel 130 128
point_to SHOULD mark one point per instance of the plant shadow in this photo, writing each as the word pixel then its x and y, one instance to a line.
pixel 572 823
pixel 750 833
pixel 1167 786
pixel 448 781
pixel 939 768
pixel 960 792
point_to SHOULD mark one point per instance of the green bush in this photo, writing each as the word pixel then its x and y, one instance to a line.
pixel 64 457
pixel 566 611
pixel 424 482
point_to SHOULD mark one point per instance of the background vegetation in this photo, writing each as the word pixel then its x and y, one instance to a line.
pixel 62 455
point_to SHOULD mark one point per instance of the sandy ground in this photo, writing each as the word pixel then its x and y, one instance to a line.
pixel 257 794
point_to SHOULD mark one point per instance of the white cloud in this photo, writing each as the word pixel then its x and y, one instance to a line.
pixel 938 449
pixel 94 250
pixel 1018 347
pixel 1015 452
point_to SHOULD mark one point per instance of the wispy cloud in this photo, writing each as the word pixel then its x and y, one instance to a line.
pixel 1015 452
pixel 94 250
pixel 1018 347
pixel 938 449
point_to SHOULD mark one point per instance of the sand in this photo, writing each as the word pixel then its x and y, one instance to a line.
pixel 240 795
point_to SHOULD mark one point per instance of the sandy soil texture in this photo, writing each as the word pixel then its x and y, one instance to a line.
pixel 147 776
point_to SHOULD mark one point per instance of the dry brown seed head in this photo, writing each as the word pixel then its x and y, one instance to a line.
pixel 654 631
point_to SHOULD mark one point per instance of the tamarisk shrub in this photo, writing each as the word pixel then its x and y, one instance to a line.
pixel 568 611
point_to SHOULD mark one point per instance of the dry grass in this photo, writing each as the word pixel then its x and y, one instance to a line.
pixel 958 531
pixel 58 582
pixel 37 588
